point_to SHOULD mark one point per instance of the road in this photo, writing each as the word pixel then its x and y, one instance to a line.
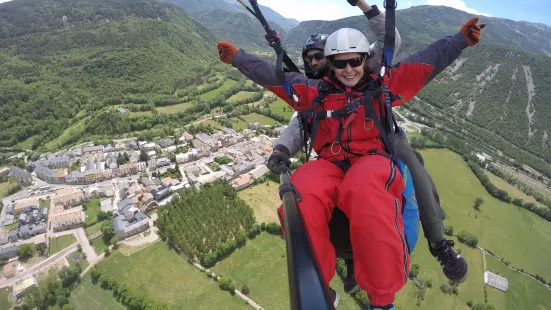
pixel 85 245
pixel 36 268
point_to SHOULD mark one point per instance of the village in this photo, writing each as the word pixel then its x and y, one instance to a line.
pixel 64 192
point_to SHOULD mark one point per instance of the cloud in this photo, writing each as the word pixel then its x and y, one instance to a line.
pixel 456 4
pixel 409 4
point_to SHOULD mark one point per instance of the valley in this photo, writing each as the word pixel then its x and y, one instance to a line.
pixel 146 158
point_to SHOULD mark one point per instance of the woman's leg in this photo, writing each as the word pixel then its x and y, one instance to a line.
pixel 370 195
pixel 317 182
pixel 425 191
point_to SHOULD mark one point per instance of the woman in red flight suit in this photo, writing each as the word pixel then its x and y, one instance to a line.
pixel 369 191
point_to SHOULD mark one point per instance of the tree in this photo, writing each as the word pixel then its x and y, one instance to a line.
pixel 25 251
pixel 107 231
pixel 478 202
pixel 68 275
pixel 245 289
pixel 114 242
pixel 414 271
pixel 143 156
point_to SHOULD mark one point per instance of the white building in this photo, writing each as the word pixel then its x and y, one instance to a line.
pixel 495 281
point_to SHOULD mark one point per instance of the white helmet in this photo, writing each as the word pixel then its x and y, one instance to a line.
pixel 346 40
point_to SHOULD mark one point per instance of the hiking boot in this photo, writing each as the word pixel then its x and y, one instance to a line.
pixel 454 266
pixel 335 296
pixel 387 307
pixel 350 285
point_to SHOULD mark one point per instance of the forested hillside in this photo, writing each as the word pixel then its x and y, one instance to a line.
pixel 62 57
pixel 501 85
pixel 233 23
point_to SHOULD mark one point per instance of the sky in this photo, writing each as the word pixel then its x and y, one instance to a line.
pixel 535 11
pixel 528 10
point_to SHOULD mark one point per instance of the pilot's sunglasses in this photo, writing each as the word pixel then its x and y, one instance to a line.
pixel 341 63
pixel 316 56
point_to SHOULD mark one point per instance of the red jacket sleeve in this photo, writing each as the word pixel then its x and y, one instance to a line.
pixel 263 73
pixel 416 70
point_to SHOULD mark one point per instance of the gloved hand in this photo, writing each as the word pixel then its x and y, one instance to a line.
pixel 352 2
pixel 471 31
pixel 275 159
pixel 226 51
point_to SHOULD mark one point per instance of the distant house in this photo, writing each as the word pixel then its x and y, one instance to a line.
pixel 121 110
pixel 7 252
pixel 129 221
pixel 22 176
pixel 9 270
pixel 164 143
pixel 160 194
pixel 4 170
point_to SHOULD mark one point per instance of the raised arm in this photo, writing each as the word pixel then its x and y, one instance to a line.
pixel 376 25
pixel 263 73
pixel 416 70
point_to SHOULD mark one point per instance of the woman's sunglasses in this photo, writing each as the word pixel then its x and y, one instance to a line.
pixel 353 62
pixel 317 56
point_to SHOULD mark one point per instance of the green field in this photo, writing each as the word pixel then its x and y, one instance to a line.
pixel 141 113
pixel 27 144
pixel 242 95
pixel 174 108
pixel 261 263
pixel 255 117
pixel 264 199
pixel 512 233
pixel 5 187
pixel 98 245
pixel 93 229
pixel 92 209
pixel 71 131
pixel 281 108
pixel 513 191
pixel 238 124
pixel 162 274
pixel 45 203
pixel 213 93
pixel 250 83
pixel 5 299
pixel 62 243
pixel 522 293
pixel 213 123
pixel 87 296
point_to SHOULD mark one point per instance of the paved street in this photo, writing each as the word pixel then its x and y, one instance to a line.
pixel 36 268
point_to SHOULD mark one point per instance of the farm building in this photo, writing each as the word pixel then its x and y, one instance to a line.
pixel 495 281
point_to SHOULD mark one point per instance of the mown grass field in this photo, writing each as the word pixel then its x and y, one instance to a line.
pixel 255 117
pixel 264 199
pixel 92 209
pixel 93 229
pixel 174 108
pixel 87 296
pixel 242 95
pixel 27 144
pixel 513 191
pixel 5 299
pixel 59 243
pixel 5 187
pixel 71 131
pixel 98 245
pixel 512 233
pixel 213 93
pixel 281 108
pixel 262 263
pixel 522 293
pixel 162 274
